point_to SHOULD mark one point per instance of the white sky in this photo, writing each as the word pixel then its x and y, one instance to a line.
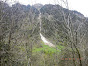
pixel 79 5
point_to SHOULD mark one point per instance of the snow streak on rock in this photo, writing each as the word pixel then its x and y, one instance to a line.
pixel 46 42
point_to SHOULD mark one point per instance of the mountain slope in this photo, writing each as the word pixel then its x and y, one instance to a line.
pixel 20 35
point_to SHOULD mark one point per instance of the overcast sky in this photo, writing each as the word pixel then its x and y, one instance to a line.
pixel 79 5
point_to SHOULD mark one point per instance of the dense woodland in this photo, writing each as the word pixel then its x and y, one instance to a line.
pixel 21 44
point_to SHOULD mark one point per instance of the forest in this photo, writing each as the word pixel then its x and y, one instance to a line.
pixel 42 35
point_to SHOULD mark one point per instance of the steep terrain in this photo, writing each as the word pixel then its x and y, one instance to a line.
pixel 42 35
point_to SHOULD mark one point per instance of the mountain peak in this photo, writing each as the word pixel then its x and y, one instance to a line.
pixel 38 6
